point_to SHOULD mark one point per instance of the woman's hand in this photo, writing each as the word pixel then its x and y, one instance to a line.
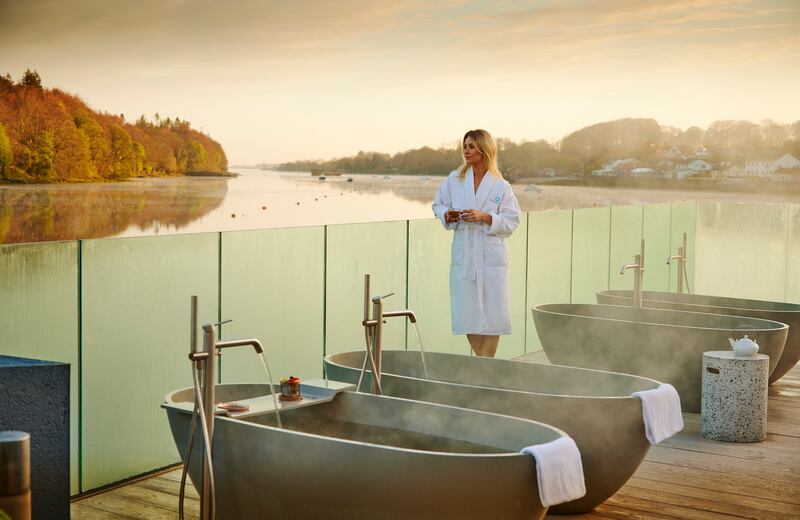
pixel 474 215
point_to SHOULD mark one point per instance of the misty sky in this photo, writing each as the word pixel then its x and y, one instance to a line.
pixel 275 81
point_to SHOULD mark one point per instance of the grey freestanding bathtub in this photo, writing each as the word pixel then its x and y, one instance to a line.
pixel 350 455
pixel 593 407
pixel 663 344
pixel 788 313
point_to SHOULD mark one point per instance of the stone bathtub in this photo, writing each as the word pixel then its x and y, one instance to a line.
pixel 593 407
pixel 343 454
pixel 788 313
pixel 663 344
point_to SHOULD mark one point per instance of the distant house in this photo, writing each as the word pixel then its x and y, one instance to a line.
pixel 699 165
pixel 694 168
pixel 733 171
pixel 758 168
pixel 643 172
pixel 787 168
pixel 779 169
pixel 788 161
pixel 616 168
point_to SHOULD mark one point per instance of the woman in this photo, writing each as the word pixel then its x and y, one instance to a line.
pixel 479 206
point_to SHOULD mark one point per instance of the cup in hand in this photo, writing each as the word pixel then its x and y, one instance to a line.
pixel 452 215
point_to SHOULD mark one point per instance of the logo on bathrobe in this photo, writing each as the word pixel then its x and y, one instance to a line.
pixel 497 199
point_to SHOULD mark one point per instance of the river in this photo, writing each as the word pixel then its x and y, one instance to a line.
pixel 260 199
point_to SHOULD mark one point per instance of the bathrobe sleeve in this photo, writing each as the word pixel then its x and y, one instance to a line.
pixel 443 202
pixel 505 218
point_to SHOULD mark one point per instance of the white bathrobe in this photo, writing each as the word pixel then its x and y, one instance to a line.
pixel 479 290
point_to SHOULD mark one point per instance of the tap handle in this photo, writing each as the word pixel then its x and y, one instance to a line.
pixel 207 326
pixel 376 299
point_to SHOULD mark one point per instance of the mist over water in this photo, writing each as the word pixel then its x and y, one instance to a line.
pixel 262 199
pixel 257 199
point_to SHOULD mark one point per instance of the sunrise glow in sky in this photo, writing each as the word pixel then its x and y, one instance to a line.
pixel 282 80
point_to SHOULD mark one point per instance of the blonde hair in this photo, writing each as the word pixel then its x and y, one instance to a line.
pixel 485 144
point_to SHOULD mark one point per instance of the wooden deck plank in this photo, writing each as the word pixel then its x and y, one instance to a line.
pixel 719 500
pixel 170 486
pixel 82 511
pixel 740 484
pixel 724 464
pixel 129 505
pixel 647 502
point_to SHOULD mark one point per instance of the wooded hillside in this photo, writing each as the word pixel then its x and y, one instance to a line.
pixel 587 149
pixel 48 135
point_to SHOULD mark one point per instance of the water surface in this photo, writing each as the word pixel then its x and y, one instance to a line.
pixel 256 199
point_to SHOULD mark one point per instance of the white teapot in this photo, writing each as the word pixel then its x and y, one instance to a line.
pixel 744 347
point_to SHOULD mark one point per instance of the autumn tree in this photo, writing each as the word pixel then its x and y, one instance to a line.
pixel 123 155
pixel 38 156
pixel 6 83
pixel 95 137
pixel 6 156
pixel 195 156
pixel 31 79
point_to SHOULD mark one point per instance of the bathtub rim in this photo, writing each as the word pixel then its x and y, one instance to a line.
pixel 478 359
pixel 628 294
pixel 171 406
pixel 541 308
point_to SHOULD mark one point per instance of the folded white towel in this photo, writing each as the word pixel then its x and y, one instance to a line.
pixel 558 470
pixel 661 408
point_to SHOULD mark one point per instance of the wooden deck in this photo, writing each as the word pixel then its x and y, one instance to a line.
pixel 685 477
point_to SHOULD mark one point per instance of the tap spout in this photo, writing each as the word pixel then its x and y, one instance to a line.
pixel 628 266
pixel 252 342
pixel 408 314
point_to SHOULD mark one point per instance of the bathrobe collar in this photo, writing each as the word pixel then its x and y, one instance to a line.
pixel 477 199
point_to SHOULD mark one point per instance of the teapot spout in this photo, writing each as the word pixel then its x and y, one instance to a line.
pixel 731 342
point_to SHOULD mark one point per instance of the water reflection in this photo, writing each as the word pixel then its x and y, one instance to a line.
pixel 66 212
pixel 255 200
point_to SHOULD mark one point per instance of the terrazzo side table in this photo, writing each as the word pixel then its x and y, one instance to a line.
pixel 734 397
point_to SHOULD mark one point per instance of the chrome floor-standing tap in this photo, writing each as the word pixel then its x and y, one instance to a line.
pixel 681 258
pixel 638 275
pixel 204 380
pixel 373 331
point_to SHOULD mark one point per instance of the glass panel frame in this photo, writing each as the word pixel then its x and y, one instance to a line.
pixel 135 321
pixel 656 231
pixel 429 287
pixel 39 288
pixel 625 236
pixel 353 250
pixel 549 276
pixel 273 288
pixel 591 231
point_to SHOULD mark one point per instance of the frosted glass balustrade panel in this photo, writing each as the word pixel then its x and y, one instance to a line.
pixel 273 290
pixel 656 233
pixel 684 220
pixel 590 249
pixel 353 250
pixel 513 345
pixel 429 287
pixel 136 309
pixel 793 257
pixel 39 315
pixel 741 250
pixel 549 264
pixel 626 236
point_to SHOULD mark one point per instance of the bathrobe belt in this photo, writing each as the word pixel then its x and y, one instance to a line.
pixel 476 241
